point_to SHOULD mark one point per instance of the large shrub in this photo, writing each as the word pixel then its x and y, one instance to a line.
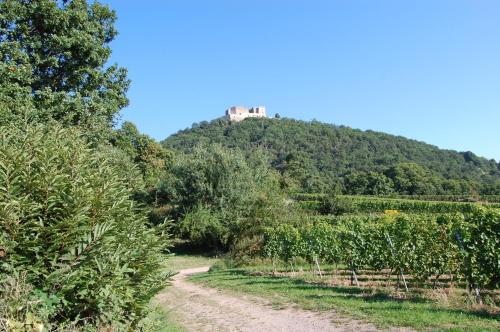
pixel 333 204
pixel 71 234
pixel 219 194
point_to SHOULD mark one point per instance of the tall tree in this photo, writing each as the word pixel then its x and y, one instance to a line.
pixel 53 58
pixel 218 192
pixel 411 179
pixel 152 159
pixel 368 183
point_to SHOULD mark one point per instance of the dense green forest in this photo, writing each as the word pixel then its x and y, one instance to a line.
pixel 318 157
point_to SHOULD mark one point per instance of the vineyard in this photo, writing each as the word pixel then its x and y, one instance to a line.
pixel 428 249
pixel 436 198
pixel 370 204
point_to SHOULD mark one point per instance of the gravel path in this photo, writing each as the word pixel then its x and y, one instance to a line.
pixel 199 308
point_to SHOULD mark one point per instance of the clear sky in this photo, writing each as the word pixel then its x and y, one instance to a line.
pixel 424 69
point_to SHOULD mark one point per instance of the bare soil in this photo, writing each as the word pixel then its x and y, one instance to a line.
pixel 199 308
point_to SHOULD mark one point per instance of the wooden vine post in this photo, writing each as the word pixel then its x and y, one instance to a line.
pixel 401 274
pixel 354 277
pixel 317 265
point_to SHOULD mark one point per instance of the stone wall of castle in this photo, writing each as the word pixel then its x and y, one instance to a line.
pixel 238 113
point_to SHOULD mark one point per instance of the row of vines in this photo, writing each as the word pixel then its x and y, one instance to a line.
pixel 364 204
pixel 465 246
pixel 437 198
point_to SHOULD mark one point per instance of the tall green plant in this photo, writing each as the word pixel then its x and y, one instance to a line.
pixel 69 226
pixel 478 239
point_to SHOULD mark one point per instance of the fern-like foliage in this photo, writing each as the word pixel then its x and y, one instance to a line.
pixel 69 226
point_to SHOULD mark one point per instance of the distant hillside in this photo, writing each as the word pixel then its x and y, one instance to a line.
pixel 318 156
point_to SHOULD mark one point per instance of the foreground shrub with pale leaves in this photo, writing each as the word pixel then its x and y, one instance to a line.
pixel 74 247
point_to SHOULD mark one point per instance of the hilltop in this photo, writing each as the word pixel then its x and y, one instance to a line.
pixel 318 157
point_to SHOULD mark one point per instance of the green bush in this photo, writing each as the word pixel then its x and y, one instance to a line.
pixel 333 204
pixel 71 234
pixel 220 195
pixel 202 227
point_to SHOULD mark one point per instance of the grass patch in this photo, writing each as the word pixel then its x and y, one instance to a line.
pixel 180 261
pixel 159 320
pixel 377 307
pixel 170 326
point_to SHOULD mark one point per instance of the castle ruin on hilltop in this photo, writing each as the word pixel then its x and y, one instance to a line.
pixel 238 113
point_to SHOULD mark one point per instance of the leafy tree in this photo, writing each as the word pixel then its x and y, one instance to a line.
pixel 53 59
pixel 234 190
pixel 368 183
pixel 203 227
pixel 299 171
pixel 70 232
pixel 152 159
pixel 411 179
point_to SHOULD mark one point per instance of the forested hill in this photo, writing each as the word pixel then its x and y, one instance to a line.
pixel 318 156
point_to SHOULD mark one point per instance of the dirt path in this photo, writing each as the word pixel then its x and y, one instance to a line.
pixel 205 309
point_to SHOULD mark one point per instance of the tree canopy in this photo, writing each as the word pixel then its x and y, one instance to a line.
pixel 53 64
pixel 217 192
pixel 318 157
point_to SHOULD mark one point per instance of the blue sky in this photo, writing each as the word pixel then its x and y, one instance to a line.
pixel 428 70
